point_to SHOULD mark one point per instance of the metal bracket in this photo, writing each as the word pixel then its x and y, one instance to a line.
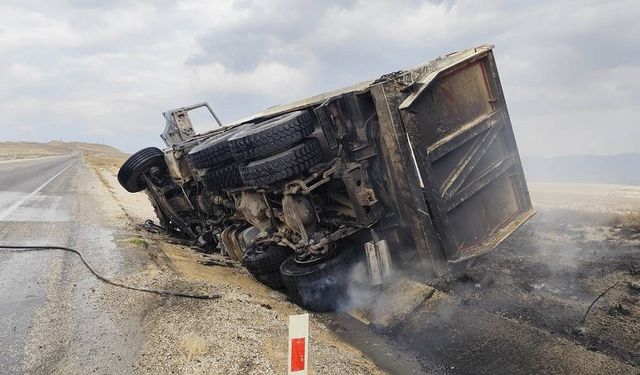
pixel 303 187
pixel 378 261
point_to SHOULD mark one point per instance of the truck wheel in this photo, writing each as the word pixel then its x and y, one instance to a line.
pixel 320 286
pixel 271 136
pixel 224 176
pixel 130 174
pixel 213 151
pixel 272 280
pixel 283 165
pixel 260 260
pixel 263 262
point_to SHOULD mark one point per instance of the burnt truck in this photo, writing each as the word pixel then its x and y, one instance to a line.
pixel 416 170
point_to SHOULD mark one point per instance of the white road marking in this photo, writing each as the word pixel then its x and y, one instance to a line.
pixel 4 214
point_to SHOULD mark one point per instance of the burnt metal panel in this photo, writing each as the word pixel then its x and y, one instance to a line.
pixel 403 180
pixel 460 133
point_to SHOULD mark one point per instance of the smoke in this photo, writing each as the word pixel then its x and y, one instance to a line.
pixel 388 305
pixel 359 294
pixel 540 280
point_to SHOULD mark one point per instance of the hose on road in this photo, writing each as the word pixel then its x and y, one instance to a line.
pixel 104 279
pixel 584 318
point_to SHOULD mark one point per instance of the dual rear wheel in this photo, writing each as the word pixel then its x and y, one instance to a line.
pixel 318 287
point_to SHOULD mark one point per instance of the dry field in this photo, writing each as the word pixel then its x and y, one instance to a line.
pixel 22 150
pixel 542 280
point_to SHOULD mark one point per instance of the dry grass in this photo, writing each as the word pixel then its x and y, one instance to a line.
pixel 627 220
pixel 106 162
pixel 138 242
pixel 22 150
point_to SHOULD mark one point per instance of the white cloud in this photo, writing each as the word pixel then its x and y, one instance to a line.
pixel 93 70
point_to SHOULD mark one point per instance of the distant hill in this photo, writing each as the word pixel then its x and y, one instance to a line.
pixel 21 150
pixel 623 169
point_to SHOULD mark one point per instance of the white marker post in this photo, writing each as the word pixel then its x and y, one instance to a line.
pixel 298 362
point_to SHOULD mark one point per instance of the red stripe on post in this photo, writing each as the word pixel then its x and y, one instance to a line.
pixel 297 354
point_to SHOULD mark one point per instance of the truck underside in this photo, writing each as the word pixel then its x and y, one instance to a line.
pixel 416 170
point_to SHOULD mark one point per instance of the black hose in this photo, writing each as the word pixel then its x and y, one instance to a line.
pixel 584 318
pixel 105 279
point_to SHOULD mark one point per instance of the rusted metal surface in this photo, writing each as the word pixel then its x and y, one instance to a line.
pixel 461 136
pixel 178 127
pixel 231 240
pixel 405 184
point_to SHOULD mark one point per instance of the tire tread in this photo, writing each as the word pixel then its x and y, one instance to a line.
pixel 283 165
pixel 269 140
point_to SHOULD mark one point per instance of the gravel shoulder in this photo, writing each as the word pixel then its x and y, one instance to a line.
pixel 245 331
pixel 520 309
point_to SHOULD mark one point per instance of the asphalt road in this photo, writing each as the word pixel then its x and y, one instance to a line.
pixel 52 315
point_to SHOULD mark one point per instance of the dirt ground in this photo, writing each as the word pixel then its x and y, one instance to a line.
pixel 553 269
pixel 245 331
pixel 519 309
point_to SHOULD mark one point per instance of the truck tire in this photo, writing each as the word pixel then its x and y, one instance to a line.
pixel 271 136
pixel 212 152
pixel 320 286
pixel 283 165
pixel 272 280
pixel 221 177
pixel 261 260
pixel 130 173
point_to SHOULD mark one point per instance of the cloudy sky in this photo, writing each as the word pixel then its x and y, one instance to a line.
pixel 101 71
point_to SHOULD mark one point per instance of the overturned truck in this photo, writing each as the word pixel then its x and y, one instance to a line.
pixel 417 169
